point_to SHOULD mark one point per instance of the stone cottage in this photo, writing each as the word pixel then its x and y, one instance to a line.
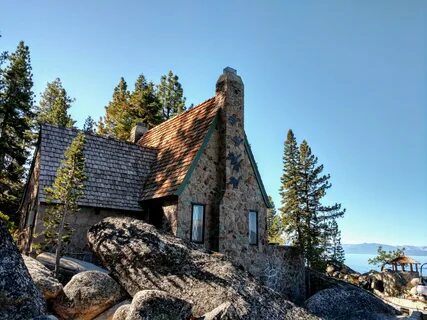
pixel 193 176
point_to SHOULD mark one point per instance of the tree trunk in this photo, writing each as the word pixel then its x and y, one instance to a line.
pixel 59 245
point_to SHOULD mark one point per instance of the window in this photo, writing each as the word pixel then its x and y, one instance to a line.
pixel 197 223
pixel 253 227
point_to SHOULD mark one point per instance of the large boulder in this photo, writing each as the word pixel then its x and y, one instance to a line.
pixel 226 311
pixel 87 295
pixel 43 278
pixel 141 258
pixel 19 296
pixel 68 267
pixel 156 305
pixel 109 313
pixel 350 304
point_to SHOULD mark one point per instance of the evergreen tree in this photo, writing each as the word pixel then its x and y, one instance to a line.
pixel 117 122
pixel 171 95
pixel 144 104
pixel 16 116
pixel 90 125
pixel 385 256
pixel 316 216
pixel 54 104
pixel 66 190
pixel 274 225
pixel 334 249
pixel 289 191
pixel 310 225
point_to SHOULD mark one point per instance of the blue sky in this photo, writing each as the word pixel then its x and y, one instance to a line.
pixel 348 76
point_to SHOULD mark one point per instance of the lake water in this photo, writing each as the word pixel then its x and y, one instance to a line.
pixel 359 262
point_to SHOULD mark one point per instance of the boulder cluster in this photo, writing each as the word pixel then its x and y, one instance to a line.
pixel 385 283
pixel 147 274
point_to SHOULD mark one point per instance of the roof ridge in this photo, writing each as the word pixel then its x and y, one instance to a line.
pixel 179 115
pixel 95 135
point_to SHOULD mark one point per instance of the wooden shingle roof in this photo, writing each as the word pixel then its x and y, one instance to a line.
pixel 116 170
pixel 177 142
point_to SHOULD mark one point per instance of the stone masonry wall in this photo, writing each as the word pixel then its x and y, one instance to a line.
pixel 203 189
pixel 29 206
pixel 80 222
pixel 224 181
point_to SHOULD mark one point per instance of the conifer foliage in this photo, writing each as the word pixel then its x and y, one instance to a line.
pixel 66 190
pixel 147 103
pixel 54 105
pixel 144 104
pixel 171 95
pixel 16 117
pixel 116 122
pixel 274 225
pixel 90 125
pixel 311 224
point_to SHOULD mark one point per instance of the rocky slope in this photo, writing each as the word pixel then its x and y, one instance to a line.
pixel 140 258
pixel 19 296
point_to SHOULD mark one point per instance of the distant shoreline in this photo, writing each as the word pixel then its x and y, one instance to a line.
pixel 359 261
pixel 371 248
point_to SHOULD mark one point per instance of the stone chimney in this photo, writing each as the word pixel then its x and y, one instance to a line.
pixel 137 132
pixel 232 212
pixel 229 96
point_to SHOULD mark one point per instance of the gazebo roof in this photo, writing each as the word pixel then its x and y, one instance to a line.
pixel 403 260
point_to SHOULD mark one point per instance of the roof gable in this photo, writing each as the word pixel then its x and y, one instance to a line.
pixel 177 141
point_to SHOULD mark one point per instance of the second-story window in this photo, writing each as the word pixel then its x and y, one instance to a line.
pixel 197 223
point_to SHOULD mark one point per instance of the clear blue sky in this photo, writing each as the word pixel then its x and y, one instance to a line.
pixel 348 76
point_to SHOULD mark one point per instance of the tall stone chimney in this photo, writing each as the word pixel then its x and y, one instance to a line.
pixel 229 95
pixel 137 132
pixel 232 207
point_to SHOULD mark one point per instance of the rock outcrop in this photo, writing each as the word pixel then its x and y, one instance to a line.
pixel 68 267
pixel 43 278
pixel 141 258
pixel 348 303
pixel 87 295
pixel 109 313
pixel 19 296
pixel 155 304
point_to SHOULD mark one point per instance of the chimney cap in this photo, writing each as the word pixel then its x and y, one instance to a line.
pixel 230 70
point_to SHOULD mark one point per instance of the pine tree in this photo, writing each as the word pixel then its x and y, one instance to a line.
pixel 171 95
pixel 385 256
pixel 66 190
pixel 117 122
pixel 16 116
pixel 90 125
pixel 316 216
pixel 289 191
pixel 274 225
pixel 144 104
pixel 334 249
pixel 54 105
pixel 310 225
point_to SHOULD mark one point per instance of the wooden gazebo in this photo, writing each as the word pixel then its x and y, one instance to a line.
pixel 402 261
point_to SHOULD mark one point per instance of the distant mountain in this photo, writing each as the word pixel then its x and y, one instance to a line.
pixel 371 248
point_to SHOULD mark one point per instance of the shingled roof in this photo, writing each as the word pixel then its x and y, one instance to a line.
pixel 177 142
pixel 116 170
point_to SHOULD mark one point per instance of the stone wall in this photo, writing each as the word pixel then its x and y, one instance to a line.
pixel 203 188
pixel 80 222
pixel 28 208
pixel 170 217
pixel 282 269
pixel 224 180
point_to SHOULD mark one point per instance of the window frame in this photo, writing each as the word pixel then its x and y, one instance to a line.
pixel 193 204
pixel 256 228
